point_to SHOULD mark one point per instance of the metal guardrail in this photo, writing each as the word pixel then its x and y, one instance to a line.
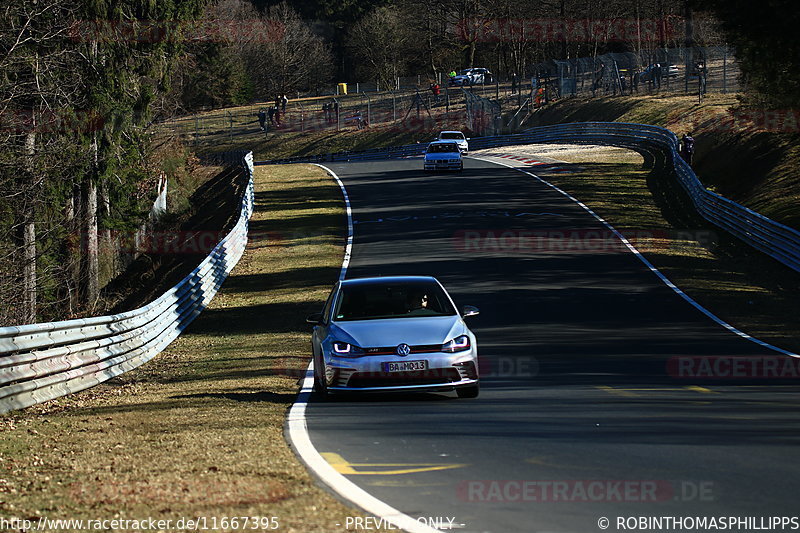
pixel 40 362
pixel 766 235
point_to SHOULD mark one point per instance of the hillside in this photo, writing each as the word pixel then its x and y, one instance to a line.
pixel 748 155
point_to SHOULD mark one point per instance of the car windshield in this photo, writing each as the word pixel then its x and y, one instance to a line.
pixel 392 300
pixel 443 147
pixel 458 136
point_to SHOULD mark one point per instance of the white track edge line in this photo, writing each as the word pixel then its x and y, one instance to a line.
pixel 647 263
pixel 297 427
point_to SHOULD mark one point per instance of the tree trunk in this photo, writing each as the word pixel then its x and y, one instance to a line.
pixel 91 271
pixel 107 244
pixel 29 234
pixel 72 214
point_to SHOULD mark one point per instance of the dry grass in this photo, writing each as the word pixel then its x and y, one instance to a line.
pixel 199 430
pixel 749 155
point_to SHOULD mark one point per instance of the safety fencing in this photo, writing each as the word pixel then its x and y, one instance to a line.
pixel 773 238
pixel 40 362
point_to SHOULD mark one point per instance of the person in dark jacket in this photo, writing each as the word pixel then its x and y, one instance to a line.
pixel 262 118
pixel 687 147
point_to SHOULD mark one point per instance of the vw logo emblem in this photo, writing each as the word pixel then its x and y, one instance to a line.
pixel 403 349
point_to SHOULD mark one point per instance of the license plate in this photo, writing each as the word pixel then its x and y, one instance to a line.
pixel 405 366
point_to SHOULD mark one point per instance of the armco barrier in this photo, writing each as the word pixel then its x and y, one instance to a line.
pixel 775 239
pixel 40 362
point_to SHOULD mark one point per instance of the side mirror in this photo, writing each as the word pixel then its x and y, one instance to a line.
pixel 469 310
pixel 314 318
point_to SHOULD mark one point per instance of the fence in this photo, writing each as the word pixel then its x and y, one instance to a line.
pixel 40 362
pixel 406 110
pixel 682 71
pixel 773 238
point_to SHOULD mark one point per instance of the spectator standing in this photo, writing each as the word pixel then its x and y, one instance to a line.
pixel 436 90
pixel 271 113
pixel 262 118
pixel 514 83
pixel 657 73
pixel 687 147
pixel 702 73
pixel 284 101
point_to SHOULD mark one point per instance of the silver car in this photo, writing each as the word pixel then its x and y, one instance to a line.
pixel 393 334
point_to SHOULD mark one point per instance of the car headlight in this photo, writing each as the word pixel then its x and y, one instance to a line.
pixel 344 349
pixel 459 344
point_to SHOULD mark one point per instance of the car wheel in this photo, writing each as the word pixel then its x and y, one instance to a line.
pixel 319 379
pixel 470 391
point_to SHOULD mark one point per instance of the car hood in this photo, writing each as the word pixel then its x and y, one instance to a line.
pixel 394 331
pixel 442 155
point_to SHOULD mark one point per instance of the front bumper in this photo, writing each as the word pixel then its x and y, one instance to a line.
pixel 367 374
pixel 442 164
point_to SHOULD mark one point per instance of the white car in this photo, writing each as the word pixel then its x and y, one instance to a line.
pixel 456 136
pixel 400 333
pixel 443 155
pixel 471 76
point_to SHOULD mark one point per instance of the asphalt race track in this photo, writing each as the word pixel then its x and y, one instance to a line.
pixel 580 415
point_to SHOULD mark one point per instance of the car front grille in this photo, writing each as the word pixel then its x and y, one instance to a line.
pixel 392 350
pixel 397 379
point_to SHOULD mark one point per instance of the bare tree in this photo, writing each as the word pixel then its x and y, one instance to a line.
pixel 379 44
pixel 283 55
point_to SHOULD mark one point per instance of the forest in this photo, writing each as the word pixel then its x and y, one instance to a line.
pixel 84 84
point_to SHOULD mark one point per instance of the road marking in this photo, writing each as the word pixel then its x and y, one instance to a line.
pixel 631 392
pixel 300 440
pixel 542 462
pixel 341 465
pixel 617 392
pixel 698 388
pixel 406 482
pixel 646 262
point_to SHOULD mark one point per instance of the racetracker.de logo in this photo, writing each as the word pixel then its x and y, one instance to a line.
pixel 583 490
pixel 158 31
pixel 47 121
pixel 734 367
pixel 505 30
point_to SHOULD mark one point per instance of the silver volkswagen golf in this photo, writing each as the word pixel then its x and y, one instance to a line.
pixel 393 334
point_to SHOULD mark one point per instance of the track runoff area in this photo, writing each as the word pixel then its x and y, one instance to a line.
pixel 600 409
